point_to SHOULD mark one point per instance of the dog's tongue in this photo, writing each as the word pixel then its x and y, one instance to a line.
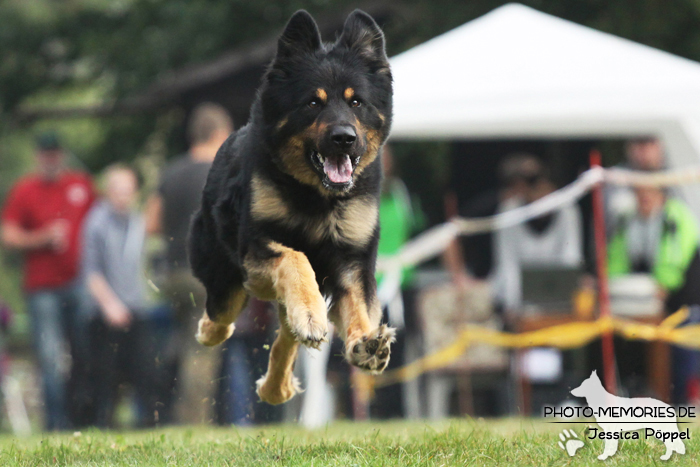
pixel 338 169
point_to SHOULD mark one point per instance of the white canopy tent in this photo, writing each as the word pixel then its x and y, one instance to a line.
pixel 519 73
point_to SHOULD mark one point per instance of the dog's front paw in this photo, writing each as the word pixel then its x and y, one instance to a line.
pixel 308 321
pixel 211 333
pixel 372 352
pixel 276 394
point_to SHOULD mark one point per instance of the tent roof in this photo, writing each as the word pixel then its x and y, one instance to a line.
pixel 517 72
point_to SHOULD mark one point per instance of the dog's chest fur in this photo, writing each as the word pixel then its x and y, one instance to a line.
pixel 351 221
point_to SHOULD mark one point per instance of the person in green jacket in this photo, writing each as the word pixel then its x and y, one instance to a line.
pixel 400 216
pixel 662 239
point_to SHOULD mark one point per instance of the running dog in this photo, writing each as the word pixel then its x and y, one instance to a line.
pixel 290 209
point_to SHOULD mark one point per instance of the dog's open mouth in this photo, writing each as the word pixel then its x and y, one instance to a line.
pixel 338 169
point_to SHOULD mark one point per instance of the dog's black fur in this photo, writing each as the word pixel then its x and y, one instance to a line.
pixel 291 131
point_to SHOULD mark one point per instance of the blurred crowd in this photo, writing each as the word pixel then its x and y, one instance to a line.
pixel 108 321
pixel 652 263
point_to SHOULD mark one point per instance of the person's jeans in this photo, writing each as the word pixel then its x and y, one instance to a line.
pixel 124 355
pixel 57 330
pixel 245 360
pixel 238 373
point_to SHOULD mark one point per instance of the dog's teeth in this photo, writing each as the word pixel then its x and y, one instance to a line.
pixel 321 158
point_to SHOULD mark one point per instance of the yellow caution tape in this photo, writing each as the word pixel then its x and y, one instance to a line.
pixel 564 336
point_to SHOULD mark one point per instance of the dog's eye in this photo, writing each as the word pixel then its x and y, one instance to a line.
pixel 314 104
pixel 355 103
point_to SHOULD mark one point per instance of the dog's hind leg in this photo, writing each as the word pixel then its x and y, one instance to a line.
pixel 357 312
pixel 279 383
pixel 222 278
pixel 276 272
pixel 216 324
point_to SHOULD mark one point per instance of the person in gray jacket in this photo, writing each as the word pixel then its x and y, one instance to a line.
pixel 114 236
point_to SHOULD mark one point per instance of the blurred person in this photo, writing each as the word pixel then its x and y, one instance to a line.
pixel 471 258
pixel 122 347
pixel 661 238
pixel 168 213
pixel 640 154
pixel 42 218
pixel 554 240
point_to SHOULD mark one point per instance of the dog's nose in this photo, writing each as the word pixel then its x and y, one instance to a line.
pixel 343 135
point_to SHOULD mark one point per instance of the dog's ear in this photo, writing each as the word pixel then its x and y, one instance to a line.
pixel 361 34
pixel 300 35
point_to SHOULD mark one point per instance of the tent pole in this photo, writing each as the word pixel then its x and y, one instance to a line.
pixel 602 266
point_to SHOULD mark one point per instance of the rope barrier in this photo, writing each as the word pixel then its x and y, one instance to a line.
pixel 563 336
pixel 432 242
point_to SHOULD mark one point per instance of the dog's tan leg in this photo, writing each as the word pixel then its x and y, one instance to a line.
pixel 214 332
pixel 367 344
pixel 288 278
pixel 279 384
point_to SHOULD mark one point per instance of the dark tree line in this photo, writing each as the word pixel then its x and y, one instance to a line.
pixel 124 45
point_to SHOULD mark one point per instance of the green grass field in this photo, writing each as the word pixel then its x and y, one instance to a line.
pixel 455 442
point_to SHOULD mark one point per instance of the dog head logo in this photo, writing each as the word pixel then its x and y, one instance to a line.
pixel 327 107
pixel 590 387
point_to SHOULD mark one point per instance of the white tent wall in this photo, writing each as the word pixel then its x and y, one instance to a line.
pixel 516 73
pixel 682 142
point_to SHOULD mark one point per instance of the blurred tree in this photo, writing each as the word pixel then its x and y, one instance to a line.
pixel 119 47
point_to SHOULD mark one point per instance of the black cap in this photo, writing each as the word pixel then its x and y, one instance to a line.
pixel 48 142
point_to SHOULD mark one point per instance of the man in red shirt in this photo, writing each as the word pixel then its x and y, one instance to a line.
pixel 42 218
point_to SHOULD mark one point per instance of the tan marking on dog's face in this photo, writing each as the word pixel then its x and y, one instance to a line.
pixel 316 131
pixel 382 117
pixel 349 94
pixel 266 202
pixel 281 123
pixel 322 95
pixel 294 159
pixel 374 142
